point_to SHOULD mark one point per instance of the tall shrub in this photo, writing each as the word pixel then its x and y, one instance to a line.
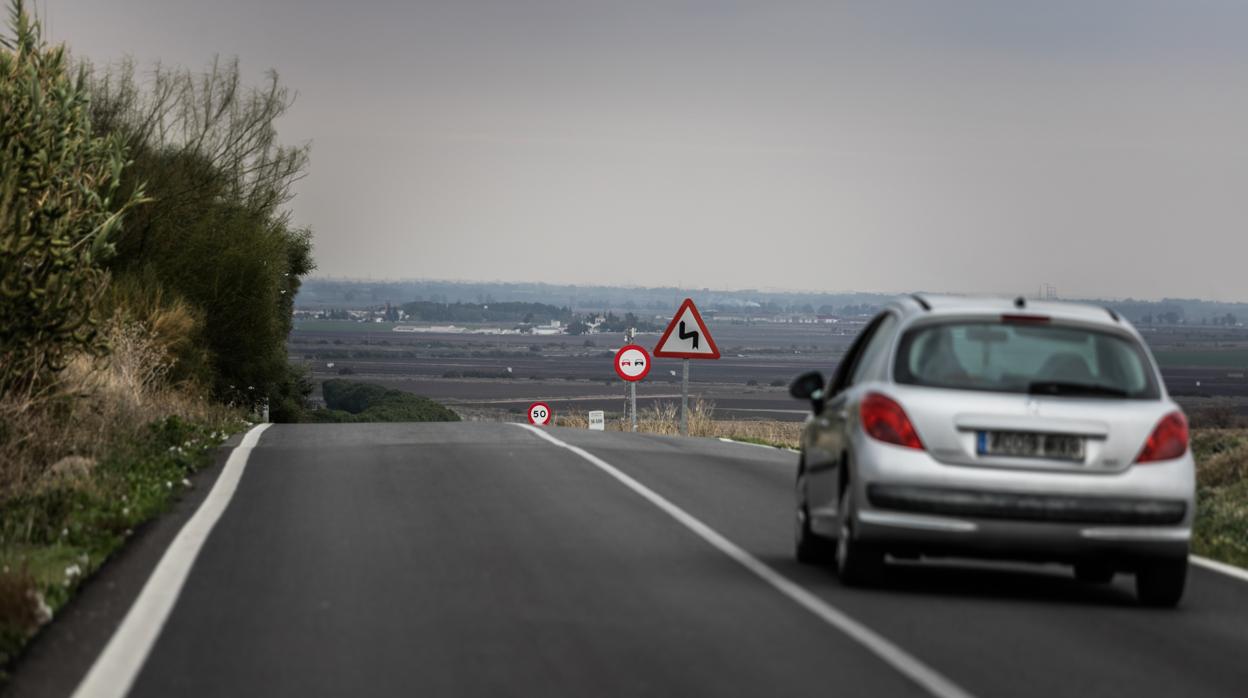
pixel 219 235
pixel 60 210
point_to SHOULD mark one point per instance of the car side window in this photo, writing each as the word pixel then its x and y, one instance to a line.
pixel 841 379
pixel 869 362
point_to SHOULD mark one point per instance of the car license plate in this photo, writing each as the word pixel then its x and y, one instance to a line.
pixel 1025 444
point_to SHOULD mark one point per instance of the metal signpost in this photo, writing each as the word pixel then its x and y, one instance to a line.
pixel 541 414
pixel 632 363
pixel 686 337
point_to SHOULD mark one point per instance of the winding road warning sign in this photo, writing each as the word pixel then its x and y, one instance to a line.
pixel 686 336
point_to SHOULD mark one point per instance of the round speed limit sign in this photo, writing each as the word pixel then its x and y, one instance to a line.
pixel 540 414
pixel 632 362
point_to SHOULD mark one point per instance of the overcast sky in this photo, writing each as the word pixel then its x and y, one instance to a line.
pixel 880 146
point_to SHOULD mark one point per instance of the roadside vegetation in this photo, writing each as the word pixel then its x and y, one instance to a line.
pixel 1221 530
pixel 147 270
pixel 664 418
pixel 215 247
pixel 351 401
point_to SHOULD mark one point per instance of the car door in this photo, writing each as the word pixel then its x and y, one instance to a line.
pixel 828 445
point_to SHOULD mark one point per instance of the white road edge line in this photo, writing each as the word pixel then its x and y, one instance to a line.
pixel 906 664
pixel 1229 570
pixel 727 440
pixel 115 670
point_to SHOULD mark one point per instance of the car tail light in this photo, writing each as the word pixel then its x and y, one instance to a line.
pixel 1168 440
pixel 884 420
pixel 1020 319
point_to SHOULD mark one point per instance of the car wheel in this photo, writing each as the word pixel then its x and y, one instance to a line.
pixel 857 563
pixel 810 548
pixel 1160 583
pixel 1094 573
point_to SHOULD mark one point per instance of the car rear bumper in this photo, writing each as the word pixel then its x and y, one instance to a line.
pixel 1015 506
pixel 925 534
pixel 910 502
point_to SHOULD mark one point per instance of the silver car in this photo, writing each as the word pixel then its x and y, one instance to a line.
pixel 995 428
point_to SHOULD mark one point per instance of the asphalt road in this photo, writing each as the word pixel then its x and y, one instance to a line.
pixel 481 560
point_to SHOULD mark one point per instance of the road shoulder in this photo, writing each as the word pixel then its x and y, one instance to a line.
pixel 57 659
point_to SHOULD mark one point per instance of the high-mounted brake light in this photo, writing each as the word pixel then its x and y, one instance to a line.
pixel 884 420
pixel 1168 440
pixel 1025 319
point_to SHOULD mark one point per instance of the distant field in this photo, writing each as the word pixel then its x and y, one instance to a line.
pixel 1218 358
pixel 342 326
pixel 574 373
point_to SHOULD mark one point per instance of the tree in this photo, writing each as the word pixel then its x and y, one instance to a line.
pixel 219 236
pixel 61 208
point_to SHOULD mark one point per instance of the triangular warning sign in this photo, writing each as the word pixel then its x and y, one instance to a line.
pixel 686 336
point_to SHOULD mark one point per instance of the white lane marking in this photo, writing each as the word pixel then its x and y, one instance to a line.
pixel 910 667
pixel 727 440
pixel 1229 570
pixel 115 670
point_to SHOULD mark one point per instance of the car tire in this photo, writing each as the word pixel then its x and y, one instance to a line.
pixel 1160 583
pixel 1094 573
pixel 858 564
pixel 810 548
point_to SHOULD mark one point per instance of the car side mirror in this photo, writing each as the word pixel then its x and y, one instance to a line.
pixel 809 386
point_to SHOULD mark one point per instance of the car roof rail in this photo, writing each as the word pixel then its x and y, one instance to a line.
pixel 1112 314
pixel 921 301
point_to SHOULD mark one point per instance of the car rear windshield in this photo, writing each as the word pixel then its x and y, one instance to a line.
pixel 1025 357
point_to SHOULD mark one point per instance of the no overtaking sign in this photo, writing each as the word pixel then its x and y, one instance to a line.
pixel 632 362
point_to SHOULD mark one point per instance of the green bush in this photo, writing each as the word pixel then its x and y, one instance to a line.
pixel 60 211
pixel 1221 527
pixel 1221 530
pixel 350 401
pixel 217 234
pixel 55 536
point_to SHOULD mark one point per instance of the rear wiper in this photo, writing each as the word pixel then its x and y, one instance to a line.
pixel 1063 388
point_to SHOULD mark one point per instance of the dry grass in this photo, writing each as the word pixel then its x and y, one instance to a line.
pixel 96 404
pixel 169 320
pixel 664 418
pixel 19 605
pixel 80 468
pixel 1222 456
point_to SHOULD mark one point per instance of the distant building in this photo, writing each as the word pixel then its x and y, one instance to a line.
pixel 554 327
pixel 442 329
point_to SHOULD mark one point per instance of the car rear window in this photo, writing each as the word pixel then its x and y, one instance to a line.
pixel 1025 357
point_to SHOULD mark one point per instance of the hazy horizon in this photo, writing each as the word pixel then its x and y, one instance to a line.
pixel 966 147
pixel 777 290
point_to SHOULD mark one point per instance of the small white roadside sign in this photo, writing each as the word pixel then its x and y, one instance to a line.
pixel 597 420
